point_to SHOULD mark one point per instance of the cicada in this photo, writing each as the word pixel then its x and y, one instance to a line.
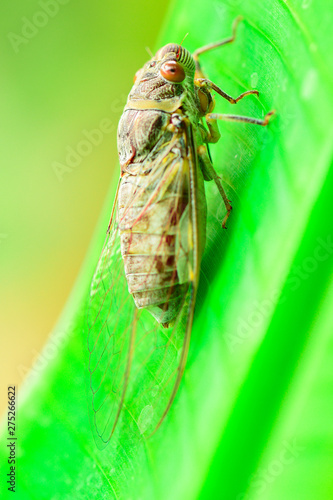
pixel 143 292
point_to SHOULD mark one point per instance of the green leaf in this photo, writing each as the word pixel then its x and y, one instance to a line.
pixel 252 417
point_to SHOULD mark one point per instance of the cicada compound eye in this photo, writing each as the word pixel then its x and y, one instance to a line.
pixel 172 71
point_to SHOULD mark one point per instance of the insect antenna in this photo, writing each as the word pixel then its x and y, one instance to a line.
pixel 181 43
pixel 149 52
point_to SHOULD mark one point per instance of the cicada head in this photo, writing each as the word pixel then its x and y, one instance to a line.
pixel 177 63
pixel 168 74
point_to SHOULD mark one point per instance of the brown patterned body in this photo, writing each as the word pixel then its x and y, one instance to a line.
pixel 156 209
pixel 153 212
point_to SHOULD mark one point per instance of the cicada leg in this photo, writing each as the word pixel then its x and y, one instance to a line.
pixel 210 173
pixel 212 118
pixel 200 79
pixel 212 137
pixel 204 82
pixel 211 46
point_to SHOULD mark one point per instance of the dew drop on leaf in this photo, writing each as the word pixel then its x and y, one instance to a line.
pixel 306 4
pixel 254 80
pixel 309 84
pixel 145 418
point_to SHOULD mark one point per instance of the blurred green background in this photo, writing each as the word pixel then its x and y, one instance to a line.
pixel 66 66
pixel 252 419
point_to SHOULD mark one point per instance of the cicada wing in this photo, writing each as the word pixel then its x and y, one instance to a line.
pixel 136 363
pixel 111 320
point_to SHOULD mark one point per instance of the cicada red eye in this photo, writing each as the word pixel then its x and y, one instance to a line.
pixel 172 71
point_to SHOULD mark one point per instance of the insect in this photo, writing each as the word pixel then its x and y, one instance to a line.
pixel 143 291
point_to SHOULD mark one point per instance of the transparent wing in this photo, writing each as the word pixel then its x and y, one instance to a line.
pixel 136 363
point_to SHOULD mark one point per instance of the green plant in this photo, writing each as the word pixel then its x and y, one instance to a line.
pixel 251 417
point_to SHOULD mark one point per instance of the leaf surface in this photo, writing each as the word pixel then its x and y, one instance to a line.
pixel 251 419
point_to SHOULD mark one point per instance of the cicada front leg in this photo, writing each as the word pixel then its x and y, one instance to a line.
pixel 200 78
pixel 213 135
pixel 211 46
pixel 205 83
